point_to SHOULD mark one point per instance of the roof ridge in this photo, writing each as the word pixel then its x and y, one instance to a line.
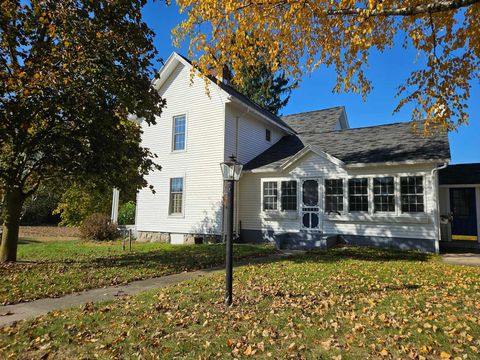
pixel 312 111
pixel 368 127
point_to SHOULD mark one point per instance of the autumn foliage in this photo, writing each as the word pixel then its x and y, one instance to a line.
pixel 300 36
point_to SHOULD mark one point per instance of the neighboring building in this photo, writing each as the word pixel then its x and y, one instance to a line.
pixel 460 207
pixel 309 180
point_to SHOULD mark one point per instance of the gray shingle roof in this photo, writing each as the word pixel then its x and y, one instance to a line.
pixel 460 174
pixel 375 144
pixel 317 121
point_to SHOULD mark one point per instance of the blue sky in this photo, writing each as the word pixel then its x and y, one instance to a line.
pixel 387 71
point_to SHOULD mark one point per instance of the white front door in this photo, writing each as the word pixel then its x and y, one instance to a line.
pixel 310 205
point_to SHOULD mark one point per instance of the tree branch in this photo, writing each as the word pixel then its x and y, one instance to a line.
pixel 429 8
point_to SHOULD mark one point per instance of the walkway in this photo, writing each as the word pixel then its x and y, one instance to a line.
pixel 33 309
pixel 469 259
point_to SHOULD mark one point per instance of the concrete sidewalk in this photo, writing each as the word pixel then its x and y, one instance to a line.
pixel 33 309
pixel 468 259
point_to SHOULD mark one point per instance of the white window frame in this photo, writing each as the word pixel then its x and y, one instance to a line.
pixel 394 195
pixel 279 196
pixel 343 194
pixel 369 196
pixel 185 133
pixel 352 216
pixel 424 194
pixel 170 213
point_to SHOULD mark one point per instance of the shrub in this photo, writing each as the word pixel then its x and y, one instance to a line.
pixel 98 226
pixel 126 214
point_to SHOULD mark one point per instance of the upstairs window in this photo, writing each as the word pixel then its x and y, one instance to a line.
pixel 270 195
pixel 333 195
pixel 179 130
pixel 358 195
pixel 411 191
pixel 289 195
pixel 383 194
pixel 268 135
pixel 176 196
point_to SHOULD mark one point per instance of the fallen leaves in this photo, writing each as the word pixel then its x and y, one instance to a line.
pixel 327 305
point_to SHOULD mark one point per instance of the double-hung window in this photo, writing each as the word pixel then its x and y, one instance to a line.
pixel 179 131
pixel 289 195
pixel 411 194
pixel 270 195
pixel 333 195
pixel 384 194
pixel 358 194
pixel 176 196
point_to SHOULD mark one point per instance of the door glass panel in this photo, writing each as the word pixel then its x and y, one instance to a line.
pixel 314 220
pixel 306 220
pixel 310 193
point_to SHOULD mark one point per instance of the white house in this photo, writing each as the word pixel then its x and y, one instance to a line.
pixel 308 180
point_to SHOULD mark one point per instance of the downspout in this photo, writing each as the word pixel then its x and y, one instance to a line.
pixel 436 217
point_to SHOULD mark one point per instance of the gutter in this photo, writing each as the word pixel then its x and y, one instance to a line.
pixel 258 113
pixel 436 217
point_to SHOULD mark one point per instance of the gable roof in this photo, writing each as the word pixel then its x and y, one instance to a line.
pixel 231 92
pixel 460 174
pixel 374 144
pixel 317 120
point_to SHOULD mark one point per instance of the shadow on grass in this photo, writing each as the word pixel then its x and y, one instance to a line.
pixel 363 254
pixel 26 241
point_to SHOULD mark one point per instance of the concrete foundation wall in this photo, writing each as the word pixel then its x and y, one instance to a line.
pixel 309 240
pixel 163 237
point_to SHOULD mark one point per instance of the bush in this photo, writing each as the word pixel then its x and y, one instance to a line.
pixel 126 214
pixel 98 226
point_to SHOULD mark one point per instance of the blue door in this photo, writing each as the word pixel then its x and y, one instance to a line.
pixel 464 211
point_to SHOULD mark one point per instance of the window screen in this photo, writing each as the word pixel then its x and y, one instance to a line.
pixel 176 195
pixel 270 195
pixel 358 194
pixel 289 195
pixel 411 190
pixel 333 195
pixel 383 194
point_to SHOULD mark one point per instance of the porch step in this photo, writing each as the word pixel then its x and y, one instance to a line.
pixel 305 240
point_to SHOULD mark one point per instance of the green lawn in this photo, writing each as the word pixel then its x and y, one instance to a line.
pixel 52 268
pixel 353 303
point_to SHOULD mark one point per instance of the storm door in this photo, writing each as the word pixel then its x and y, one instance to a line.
pixel 310 205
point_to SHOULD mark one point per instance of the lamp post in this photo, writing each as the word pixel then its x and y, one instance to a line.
pixel 231 171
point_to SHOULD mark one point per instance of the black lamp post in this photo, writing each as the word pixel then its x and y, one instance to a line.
pixel 231 171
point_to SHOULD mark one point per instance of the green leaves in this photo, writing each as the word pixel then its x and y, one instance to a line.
pixel 65 93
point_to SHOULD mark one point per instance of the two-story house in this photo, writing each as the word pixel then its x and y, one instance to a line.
pixel 308 180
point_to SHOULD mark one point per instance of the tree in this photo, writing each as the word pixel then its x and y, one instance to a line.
pixel 301 35
pixel 267 88
pixel 71 72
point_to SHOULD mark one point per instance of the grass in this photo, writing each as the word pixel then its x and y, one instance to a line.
pixel 345 303
pixel 49 268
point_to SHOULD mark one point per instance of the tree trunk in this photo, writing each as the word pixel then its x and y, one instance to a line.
pixel 11 223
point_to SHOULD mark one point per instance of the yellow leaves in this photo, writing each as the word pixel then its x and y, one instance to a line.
pixel 445 355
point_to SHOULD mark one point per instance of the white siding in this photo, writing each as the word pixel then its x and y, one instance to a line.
pixel 198 164
pixel 245 134
pixel 314 166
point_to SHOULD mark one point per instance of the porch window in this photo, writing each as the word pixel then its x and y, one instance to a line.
pixel 289 195
pixel 358 194
pixel 383 194
pixel 333 195
pixel 270 195
pixel 176 196
pixel 179 131
pixel 411 191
